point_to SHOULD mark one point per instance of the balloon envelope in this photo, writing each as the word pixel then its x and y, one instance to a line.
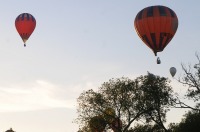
pixel 172 71
pixel 97 123
pixel 156 26
pixel 116 124
pixel 109 115
pixel 25 24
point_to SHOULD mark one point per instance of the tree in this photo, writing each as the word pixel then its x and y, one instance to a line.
pixel 97 124
pixel 146 98
pixel 10 130
pixel 146 128
pixel 190 123
pixel 191 79
pixel 157 96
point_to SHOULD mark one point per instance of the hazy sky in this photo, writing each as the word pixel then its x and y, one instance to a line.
pixel 78 45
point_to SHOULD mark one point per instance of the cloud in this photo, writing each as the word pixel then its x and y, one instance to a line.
pixel 32 96
pixel 39 95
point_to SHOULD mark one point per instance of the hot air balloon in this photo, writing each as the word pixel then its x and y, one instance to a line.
pixel 156 26
pixel 116 125
pixel 25 24
pixel 109 115
pixel 97 124
pixel 172 71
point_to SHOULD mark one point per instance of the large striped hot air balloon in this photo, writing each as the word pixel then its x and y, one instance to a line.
pixel 25 24
pixel 156 26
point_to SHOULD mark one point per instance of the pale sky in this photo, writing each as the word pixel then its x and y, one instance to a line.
pixel 78 45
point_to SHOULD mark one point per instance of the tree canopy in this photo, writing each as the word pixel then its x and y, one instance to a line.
pixel 190 123
pixel 122 102
pixel 191 78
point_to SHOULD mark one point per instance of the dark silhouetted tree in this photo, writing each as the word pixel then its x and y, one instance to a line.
pixel 123 101
pixel 190 123
pixel 10 130
pixel 191 79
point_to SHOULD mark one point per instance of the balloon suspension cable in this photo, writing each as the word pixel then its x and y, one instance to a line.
pixel 155 53
pixel 158 60
pixel 24 45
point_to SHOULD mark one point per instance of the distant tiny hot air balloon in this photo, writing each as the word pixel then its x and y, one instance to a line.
pixel 156 26
pixel 97 124
pixel 25 24
pixel 116 125
pixel 172 71
pixel 109 115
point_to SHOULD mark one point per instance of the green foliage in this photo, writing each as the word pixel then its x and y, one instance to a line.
pixel 191 120
pixel 144 98
pixel 190 123
pixel 146 128
pixel 157 96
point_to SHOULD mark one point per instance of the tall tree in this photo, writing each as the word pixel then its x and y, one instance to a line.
pixel 191 79
pixel 122 101
pixel 190 123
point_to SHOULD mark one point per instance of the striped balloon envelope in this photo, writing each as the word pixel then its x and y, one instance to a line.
pixel 156 26
pixel 25 24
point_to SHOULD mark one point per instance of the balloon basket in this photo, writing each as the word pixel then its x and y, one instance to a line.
pixel 158 61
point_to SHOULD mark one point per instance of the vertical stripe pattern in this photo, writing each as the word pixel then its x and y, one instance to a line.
pixel 25 24
pixel 156 26
pixel 25 16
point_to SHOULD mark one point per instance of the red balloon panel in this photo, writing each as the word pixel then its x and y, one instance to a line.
pixel 25 24
pixel 156 26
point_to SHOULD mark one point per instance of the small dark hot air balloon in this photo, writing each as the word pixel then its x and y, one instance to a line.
pixel 116 125
pixel 172 71
pixel 156 26
pixel 97 124
pixel 25 24
pixel 109 115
